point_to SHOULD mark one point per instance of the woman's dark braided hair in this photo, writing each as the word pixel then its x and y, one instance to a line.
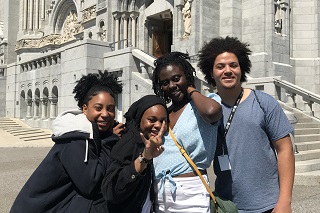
pixel 215 47
pixel 94 83
pixel 174 58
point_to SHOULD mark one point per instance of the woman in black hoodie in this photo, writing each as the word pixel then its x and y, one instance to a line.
pixel 69 178
pixel 128 183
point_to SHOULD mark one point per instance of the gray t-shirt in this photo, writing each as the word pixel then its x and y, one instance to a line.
pixel 252 184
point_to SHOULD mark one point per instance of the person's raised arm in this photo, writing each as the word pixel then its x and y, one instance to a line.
pixel 152 148
pixel 209 109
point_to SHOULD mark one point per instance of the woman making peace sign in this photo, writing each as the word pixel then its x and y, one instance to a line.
pixel 127 185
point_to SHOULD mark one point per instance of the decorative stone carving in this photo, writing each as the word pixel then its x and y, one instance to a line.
pixel 103 35
pixel 53 39
pixel 71 27
pixel 186 12
pixel 89 13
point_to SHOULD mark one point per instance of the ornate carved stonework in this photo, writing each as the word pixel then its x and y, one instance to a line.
pixel 53 39
pixel 71 27
pixel 89 13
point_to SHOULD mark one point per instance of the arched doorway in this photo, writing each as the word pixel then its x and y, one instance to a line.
pixel 161 34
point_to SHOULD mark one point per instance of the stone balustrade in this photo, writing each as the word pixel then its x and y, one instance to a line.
pixel 38 63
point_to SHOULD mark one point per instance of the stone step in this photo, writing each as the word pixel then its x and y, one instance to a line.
pixel 307 178
pixel 304 146
pixel 307 155
pixel 306 125
pixel 4 119
pixel 306 120
pixel 306 138
pixel 300 115
pixel 307 165
pixel 305 131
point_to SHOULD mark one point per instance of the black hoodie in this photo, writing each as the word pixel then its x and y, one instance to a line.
pixel 69 178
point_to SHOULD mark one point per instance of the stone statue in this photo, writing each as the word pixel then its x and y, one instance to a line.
pixel 278 17
pixel 186 12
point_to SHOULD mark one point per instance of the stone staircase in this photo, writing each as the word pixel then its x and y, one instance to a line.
pixel 307 142
pixel 16 133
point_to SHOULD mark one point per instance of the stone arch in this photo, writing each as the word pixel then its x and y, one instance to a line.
pixel 159 7
pixel 60 13
pixel 23 104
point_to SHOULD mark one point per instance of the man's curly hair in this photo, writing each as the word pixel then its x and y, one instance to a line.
pixel 217 46
pixel 173 58
pixel 94 83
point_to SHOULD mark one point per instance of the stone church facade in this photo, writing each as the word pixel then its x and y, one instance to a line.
pixel 45 46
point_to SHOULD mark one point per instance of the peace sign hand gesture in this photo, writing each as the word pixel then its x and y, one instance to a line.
pixel 153 145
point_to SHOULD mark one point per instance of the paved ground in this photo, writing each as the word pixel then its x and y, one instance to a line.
pixel 17 164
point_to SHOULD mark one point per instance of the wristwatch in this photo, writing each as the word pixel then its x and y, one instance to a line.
pixel 144 160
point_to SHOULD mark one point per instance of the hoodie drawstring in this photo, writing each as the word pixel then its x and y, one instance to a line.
pixel 86 155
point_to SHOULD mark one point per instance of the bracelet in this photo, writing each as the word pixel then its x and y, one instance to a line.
pixel 144 160
pixel 190 94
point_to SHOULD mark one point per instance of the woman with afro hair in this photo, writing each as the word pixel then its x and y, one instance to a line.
pixel 69 178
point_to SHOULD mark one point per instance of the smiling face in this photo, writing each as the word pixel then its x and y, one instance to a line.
pixel 226 71
pixel 173 83
pixel 152 119
pixel 101 110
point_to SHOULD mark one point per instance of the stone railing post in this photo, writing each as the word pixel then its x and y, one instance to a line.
pixel 291 99
pixel 307 106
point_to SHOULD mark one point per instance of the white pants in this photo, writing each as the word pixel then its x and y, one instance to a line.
pixel 191 196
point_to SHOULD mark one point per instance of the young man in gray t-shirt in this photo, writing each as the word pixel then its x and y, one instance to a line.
pixel 254 162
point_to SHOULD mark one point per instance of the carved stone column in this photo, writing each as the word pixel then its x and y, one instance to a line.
pixel 53 107
pixel 36 108
pixel 125 17
pixel 25 14
pixel 37 15
pixel 29 107
pixel 179 32
pixel 44 104
pixel 116 16
pixel 31 15
pixel 134 15
pixel 43 10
